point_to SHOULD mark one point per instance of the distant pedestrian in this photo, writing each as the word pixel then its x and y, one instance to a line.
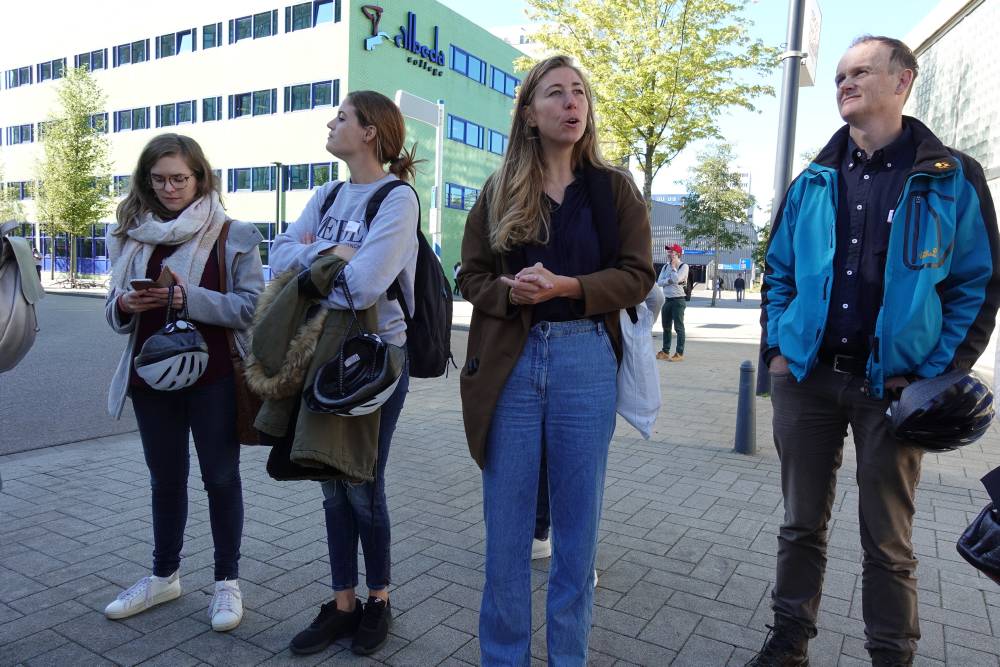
pixel 557 244
pixel 883 267
pixel 454 272
pixel 170 222
pixel 739 285
pixel 673 278
pixel 37 256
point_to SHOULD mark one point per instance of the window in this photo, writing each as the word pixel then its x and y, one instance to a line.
pixel 497 143
pixel 53 69
pixel 175 113
pixel 308 14
pixel 133 52
pixel 465 131
pixel 20 134
pixel 257 103
pixel 175 43
pixel 132 119
pixel 211 109
pixel 99 121
pixel 465 63
pixel 322 172
pixel 298 177
pixel 264 178
pixel 93 60
pixel 503 82
pixel 21 190
pixel 459 196
pixel 239 179
pixel 20 76
pixel 211 36
pixel 42 127
pixel 122 185
pixel 241 28
pixel 312 95
pixel 265 24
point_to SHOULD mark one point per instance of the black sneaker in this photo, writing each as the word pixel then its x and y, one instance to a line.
pixel 328 626
pixel 786 645
pixel 882 658
pixel 374 629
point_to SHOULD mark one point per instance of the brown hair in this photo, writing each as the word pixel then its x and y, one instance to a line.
pixel 378 111
pixel 141 197
pixel 517 210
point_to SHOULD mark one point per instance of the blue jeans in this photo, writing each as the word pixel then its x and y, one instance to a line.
pixel 561 392
pixel 166 418
pixel 358 510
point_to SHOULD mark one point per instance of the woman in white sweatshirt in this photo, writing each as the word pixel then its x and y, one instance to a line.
pixel 368 134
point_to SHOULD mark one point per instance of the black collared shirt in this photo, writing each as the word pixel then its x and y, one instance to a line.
pixel 574 249
pixel 869 189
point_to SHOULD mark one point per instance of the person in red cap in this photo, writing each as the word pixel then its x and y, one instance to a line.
pixel 673 277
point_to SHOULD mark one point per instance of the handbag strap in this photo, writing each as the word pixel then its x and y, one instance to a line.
pixel 220 253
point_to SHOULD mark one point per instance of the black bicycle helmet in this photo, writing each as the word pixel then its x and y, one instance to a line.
pixel 943 413
pixel 359 379
pixel 980 543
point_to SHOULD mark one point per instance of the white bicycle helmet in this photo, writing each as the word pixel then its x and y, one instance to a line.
pixel 175 356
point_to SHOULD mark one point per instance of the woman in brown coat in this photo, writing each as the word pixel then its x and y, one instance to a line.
pixel 557 245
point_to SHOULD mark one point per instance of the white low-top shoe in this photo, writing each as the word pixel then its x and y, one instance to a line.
pixel 540 548
pixel 145 593
pixel 226 610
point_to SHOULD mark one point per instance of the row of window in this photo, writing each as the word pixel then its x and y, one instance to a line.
pixel 240 179
pixel 259 102
pixel 475 68
pixel 475 135
pixel 264 24
pixel 460 196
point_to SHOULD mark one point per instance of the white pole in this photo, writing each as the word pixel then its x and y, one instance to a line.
pixel 437 204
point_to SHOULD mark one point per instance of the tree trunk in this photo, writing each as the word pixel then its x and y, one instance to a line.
pixel 72 260
pixel 647 172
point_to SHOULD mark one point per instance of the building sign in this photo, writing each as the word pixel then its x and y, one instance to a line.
pixel 425 56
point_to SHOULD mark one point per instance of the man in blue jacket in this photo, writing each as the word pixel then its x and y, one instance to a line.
pixel 881 269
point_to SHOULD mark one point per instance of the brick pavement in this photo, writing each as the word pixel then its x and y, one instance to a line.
pixel 686 553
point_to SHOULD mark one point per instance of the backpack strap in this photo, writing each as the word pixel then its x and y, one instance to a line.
pixel 330 197
pixel 371 210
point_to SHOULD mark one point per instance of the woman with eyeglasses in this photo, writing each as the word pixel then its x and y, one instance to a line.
pixel 558 243
pixel 169 225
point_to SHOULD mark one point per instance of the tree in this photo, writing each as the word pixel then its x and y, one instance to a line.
pixel 716 206
pixel 10 207
pixel 74 177
pixel 662 70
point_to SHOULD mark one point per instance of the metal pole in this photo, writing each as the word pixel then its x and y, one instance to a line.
pixel 746 420
pixel 436 222
pixel 792 58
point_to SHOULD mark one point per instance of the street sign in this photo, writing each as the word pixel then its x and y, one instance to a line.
pixel 811 27
pixel 432 114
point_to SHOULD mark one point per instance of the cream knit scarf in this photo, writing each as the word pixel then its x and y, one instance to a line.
pixel 195 231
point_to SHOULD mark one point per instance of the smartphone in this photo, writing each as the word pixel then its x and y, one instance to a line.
pixel 142 284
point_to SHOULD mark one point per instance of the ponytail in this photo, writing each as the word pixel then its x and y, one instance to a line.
pixel 404 166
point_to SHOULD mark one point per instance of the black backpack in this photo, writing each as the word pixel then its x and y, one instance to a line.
pixel 428 331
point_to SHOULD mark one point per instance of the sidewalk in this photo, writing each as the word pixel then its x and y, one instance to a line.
pixel 686 556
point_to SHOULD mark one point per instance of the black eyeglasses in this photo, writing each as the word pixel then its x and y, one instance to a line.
pixel 177 180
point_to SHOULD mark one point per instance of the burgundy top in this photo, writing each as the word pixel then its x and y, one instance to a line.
pixel 219 363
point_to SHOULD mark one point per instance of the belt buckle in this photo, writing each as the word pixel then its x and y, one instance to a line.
pixel 836 363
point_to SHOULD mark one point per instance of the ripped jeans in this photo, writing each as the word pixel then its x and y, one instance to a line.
pixel 358 510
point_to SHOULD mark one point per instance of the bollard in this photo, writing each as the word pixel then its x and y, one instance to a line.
pixel 746 422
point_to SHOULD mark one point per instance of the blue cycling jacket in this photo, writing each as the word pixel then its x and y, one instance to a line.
pixel 942 282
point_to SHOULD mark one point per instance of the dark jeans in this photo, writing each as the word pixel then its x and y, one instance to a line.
pixel 810 425
pixel 739 294
pixel 673 313
pixel 358 510
pixel 165 419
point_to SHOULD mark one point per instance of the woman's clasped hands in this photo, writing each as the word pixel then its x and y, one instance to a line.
pixel 536 284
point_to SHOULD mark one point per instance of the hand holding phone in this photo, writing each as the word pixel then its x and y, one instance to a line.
pixel 142 284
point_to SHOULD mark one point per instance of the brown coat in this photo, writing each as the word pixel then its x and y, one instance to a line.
pixel 499 330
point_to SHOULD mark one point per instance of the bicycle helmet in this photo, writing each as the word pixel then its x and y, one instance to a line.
pixel 175 356
pixel 359 379
pixel 943 413
pixel 980 543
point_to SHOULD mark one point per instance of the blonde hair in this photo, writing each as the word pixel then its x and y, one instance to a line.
pixel 518 213
pixel 375 109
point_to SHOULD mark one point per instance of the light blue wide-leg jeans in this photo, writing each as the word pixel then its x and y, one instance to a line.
pixel 563 388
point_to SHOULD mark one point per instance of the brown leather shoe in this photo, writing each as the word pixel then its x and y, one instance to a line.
pixel 663 356
pixel 676 357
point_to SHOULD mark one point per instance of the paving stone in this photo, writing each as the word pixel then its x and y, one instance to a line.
pixel 419 619
pixel 97 633
pixel 217 648
pixel 68 654
pixel 628 648
pixel 670 628
pixel 29 645
pixel 155 643
pixel 700 651
pixel 430 648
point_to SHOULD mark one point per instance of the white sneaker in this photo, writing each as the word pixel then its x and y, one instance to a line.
pixel 541 549
pixel 595 578
pixel 226 610
pixel 145 593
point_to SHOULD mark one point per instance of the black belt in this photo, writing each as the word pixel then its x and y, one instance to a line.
pixel 849 364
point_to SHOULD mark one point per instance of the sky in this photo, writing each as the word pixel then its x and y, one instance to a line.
pixel 753 135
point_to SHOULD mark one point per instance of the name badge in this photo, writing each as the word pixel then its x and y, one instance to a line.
pixel 352 227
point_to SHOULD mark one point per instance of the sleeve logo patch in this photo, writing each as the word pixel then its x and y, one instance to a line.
pixel 944 164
